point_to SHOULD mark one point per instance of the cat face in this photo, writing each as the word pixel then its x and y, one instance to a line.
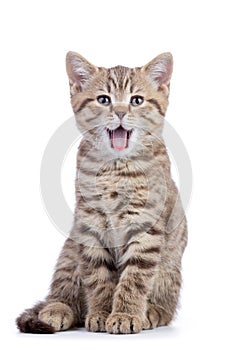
pixel 120 110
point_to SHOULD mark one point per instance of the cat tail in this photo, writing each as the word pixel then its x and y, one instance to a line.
pixel 28 321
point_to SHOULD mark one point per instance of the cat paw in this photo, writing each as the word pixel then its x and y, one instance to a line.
pixel 58 315
pixel 152 319
pixel 96 322
pixel 122 323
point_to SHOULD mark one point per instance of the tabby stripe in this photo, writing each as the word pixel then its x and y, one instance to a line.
pixel 97 262
pixel 124 303
pixel 178 283
pixel 152 231
pixel 141 263
pixel 108 88
pixel 119 171
pixel 130 289
pixel 138 204
pixel 141 228
pixel 121 204
pixel 156 103
pixel 95 282
pixel 138 283
pixel 160 151
pixel 113 82
pixel 100 290
pixel 151 250
pixel 94 234
pixel 92 118
pixel 89 210
pixel 82 152
pixel 128 212
pixel 95 117
pixel 126 247
pixel 132 75
pixel 114 194
pixel 92 285
pixel 126 288
pixel 91 158
pixel 126 83
pixel 130 174
pixel 141 187
pixel 149 119
pixel 133 205
pixel 82 247
pixel 59 282
pixel 84 103
pixel 132 88
pixel 94 197
pixel 87 229
pixel 88 172
pixel 67 269
pixel 140 287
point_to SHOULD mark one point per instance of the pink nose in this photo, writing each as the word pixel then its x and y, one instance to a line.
pixel 120 114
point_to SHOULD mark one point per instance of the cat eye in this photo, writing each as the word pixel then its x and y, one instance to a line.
pixel 136 100
pixel 104 100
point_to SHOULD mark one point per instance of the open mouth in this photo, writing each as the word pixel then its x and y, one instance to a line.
pixel 119 138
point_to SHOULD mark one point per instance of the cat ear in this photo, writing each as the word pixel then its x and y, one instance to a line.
pixel 79 70
pixel 160 70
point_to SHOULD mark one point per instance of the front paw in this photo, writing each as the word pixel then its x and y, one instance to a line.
pixel 96 322
pixel 58 315
pixel 122 323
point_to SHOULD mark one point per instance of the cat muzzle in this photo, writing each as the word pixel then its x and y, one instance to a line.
pixel 119 138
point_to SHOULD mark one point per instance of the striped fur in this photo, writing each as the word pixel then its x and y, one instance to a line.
pixel 120 269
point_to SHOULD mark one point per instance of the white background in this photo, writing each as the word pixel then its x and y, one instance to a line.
pixel 35 36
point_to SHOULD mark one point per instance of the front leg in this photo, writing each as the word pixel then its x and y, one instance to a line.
pixel 99 279
pixel 130 299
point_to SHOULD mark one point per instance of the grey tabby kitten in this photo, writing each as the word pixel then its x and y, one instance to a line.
pixel 120 269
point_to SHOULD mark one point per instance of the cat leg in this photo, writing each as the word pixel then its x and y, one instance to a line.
pixel 152 317
pixel 164 296
pixel 99 280
pixel 162 302
pixel 130 299
pixel 62 308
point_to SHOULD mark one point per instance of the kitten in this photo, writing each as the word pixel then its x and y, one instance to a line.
pixel 120 269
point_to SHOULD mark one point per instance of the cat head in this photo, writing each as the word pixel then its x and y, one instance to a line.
pixel 120 110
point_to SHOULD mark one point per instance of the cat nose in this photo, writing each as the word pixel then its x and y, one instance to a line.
pixel 120 114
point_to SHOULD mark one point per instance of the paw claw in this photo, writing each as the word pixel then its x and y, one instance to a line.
pixel 96 322
pixel 122 323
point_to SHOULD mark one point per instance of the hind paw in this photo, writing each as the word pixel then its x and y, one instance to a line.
pixel 58 315
pixel 152 319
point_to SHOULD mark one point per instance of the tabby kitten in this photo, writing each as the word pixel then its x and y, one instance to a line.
pixel 120 269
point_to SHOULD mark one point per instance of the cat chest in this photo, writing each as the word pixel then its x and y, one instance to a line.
pixel 124 194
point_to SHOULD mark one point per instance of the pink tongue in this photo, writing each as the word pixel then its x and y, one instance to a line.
pixel 119 139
